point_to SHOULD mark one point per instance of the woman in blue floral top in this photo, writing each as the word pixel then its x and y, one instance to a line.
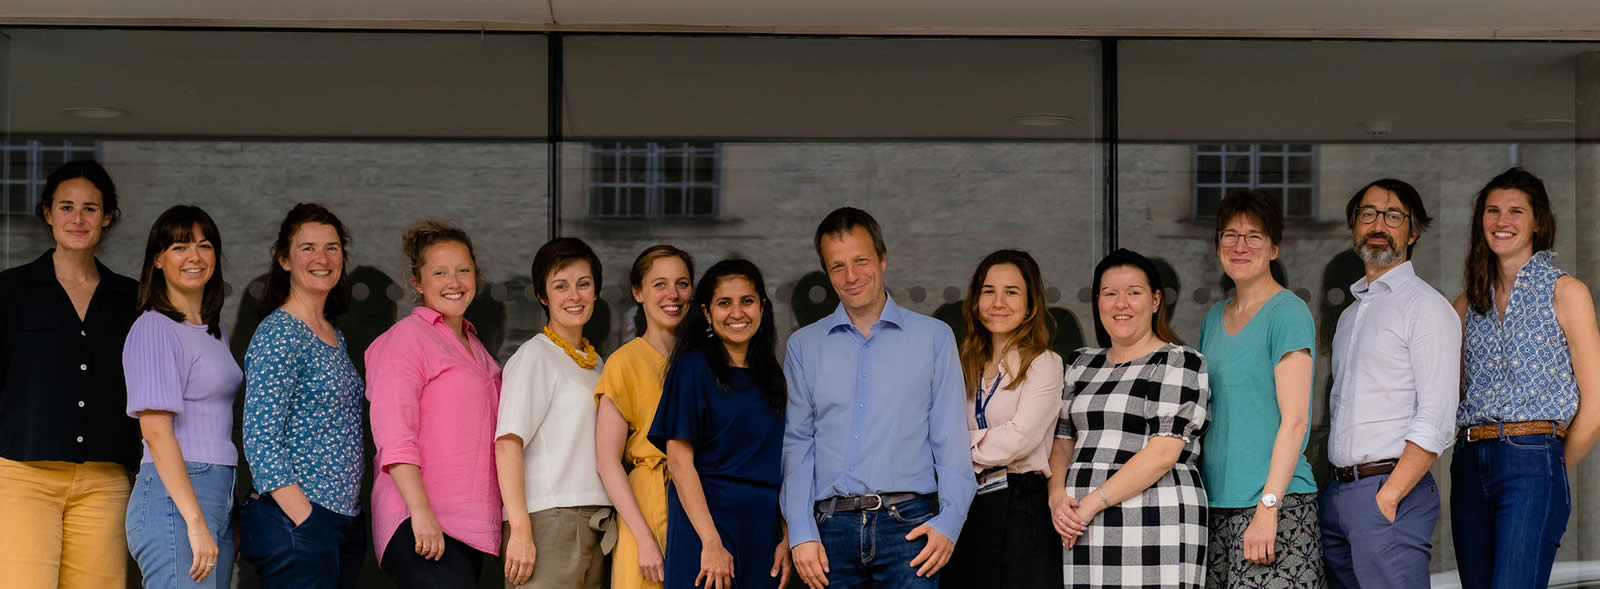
pixel 1530 377
pixel 302 416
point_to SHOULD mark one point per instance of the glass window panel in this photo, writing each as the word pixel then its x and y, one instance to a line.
pixel 704 202
pixel 1238 171
pixel 1270 170
pixel 672 201
pixel 1300 169
pixel 672 168
pixel 1270 148
pixel 1208 169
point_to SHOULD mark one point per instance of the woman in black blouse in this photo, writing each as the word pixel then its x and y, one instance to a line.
pixel 64 440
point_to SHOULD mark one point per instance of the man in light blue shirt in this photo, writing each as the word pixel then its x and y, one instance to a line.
pixel 877 474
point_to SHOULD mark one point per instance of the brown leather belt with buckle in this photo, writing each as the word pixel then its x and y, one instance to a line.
pixel 1350 474
pixel 1479 433
pixel 868 502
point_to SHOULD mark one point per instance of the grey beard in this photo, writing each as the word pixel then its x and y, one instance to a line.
pixel 1386 255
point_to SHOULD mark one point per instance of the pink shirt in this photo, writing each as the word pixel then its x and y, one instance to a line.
pixel 434 405
pixel 1021 420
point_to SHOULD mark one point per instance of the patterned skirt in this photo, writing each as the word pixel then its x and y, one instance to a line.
pixel 1155 539
pixel 1298 549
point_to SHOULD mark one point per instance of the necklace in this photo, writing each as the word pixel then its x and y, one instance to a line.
pixel 585 359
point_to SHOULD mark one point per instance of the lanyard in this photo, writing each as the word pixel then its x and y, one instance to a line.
pixel 981 404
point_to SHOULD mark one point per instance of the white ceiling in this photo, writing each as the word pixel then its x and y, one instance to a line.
pixel 1478 19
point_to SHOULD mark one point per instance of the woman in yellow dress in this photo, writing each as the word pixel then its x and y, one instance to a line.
pixel 628 393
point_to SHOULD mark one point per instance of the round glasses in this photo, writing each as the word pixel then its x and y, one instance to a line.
pixel 1253 240
pixel 1391 218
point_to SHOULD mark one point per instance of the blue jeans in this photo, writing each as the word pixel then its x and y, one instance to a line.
pixel 324 552
pixel 158 538
pixel 1363 548
pixel 1509 503
pixel 868 549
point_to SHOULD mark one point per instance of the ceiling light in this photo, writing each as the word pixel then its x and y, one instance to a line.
pixel 94 112
pixel 1541 124
pixel 1042 120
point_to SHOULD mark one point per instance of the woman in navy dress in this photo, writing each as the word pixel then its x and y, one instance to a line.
pixel 720 423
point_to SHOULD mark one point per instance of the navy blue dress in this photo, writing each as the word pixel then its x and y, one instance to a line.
pixel 738 452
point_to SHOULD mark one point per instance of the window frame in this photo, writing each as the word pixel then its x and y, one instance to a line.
pixel 1223 151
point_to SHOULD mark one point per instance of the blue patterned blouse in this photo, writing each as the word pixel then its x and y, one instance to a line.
pixel 302 414
pixel 1519 370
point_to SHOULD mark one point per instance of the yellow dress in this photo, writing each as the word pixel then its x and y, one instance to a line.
pixel 632 379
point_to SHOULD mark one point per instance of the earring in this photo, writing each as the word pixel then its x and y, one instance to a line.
pixel 709 333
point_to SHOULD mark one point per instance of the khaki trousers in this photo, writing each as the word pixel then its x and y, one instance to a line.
pixel 61 525
pixel 567 550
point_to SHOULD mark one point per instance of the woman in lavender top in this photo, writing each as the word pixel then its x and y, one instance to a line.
pixel 181 382
pixel 302 416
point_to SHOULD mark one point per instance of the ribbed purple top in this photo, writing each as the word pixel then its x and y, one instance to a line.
pixel 178 367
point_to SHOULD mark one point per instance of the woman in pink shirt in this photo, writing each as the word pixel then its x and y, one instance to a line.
pixel 434 391
pixel 1014 387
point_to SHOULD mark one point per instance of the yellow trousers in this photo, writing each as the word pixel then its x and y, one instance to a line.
pixel 61 525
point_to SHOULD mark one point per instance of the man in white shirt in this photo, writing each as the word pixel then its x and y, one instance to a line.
pixel 1396 377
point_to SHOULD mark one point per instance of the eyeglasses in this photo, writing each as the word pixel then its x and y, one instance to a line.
pixel 1391 218
pixel 1253 240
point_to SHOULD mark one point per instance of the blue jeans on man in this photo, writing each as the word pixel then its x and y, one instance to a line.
pixel 1363 549
pixel 868 549
pixel 1509 502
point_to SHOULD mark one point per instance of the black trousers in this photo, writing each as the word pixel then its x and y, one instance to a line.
pixel 1008 540
pixel 459 566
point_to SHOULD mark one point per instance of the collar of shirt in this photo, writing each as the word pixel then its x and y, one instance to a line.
pixel 1391 281
pixel 892 314
pixel 433 317
pixel 43 271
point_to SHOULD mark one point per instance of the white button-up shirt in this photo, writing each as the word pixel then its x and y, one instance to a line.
pixel 1396 370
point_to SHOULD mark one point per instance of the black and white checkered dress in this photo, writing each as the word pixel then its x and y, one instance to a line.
pixel 1158 538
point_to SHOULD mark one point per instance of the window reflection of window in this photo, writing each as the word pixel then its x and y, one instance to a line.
pixel 28 162
pixel 654 180
pixel 1285 170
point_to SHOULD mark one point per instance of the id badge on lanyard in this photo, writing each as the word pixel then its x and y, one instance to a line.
pixel 993 479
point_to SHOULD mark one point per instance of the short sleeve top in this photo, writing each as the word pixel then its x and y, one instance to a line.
pixel 736 435
pixel 1244 398
pixel 179 367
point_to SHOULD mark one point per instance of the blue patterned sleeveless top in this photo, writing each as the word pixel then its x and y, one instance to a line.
pixel 1519 370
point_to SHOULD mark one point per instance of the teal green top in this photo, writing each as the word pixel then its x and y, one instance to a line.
pixel 1237 450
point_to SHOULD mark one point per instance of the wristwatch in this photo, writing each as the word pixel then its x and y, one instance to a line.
pixel 1269 500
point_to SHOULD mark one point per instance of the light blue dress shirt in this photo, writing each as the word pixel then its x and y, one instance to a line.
pixel 884 414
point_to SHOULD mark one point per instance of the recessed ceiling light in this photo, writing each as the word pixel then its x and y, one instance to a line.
pixel 94 112
pixel 1541 124
pixel 1042 120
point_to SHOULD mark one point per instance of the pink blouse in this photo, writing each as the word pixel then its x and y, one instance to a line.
pixel 434 405
pixel 1021 420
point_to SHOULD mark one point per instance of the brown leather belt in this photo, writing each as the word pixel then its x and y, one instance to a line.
pixel 868 502
pixel 1493 431
pixel 1350 474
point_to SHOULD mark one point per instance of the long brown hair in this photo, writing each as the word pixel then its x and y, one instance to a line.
pixel 1031 338
pixel 177 225
pixel 1483 266
pixel 338 300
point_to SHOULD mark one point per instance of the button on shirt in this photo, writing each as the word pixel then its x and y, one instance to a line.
pixel 882 414
pixel 62 394
pixel 1396 370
